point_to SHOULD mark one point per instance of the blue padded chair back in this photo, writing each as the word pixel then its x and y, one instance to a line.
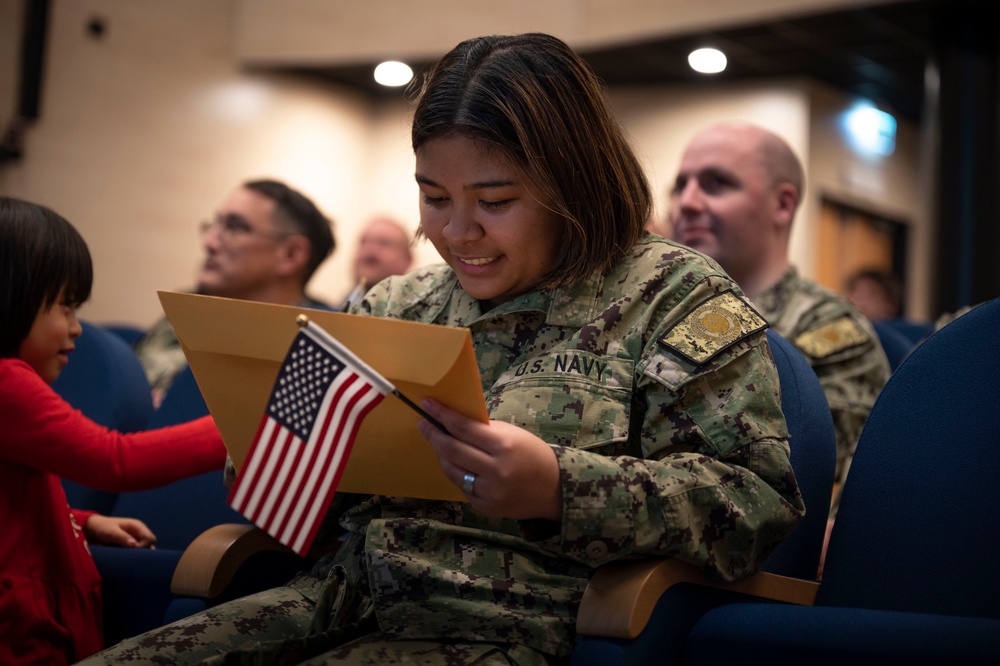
pixel 106 382
pixel 914 331
pixel 813 457
pixel 917 525
pixel 130 334
pixel 182 510
pixel 896 345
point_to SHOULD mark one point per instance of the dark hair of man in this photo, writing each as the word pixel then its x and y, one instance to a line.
pixel 41 255
pixel 537 102
pixel 305 218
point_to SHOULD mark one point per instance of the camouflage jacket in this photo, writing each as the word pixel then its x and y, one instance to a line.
pixel 841 346
pixel 658 393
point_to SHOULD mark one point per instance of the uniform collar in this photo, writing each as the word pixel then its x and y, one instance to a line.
pixel 774 299
pixel 566 306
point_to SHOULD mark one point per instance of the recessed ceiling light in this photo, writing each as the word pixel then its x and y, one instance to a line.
pixel 707 61
pixel 393 73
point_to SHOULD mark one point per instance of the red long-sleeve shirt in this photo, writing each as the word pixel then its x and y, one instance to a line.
pixel 50 591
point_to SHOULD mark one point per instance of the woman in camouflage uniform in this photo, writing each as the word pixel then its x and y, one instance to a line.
pixel 634 404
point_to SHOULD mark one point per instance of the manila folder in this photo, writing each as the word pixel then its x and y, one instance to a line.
pixel 235 349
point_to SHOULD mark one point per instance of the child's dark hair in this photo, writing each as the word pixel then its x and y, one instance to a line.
pixel 40 255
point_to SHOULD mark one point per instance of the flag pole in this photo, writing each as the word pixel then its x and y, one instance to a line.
pixel 303 320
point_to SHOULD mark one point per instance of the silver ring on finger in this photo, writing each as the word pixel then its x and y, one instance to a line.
pixel 469 483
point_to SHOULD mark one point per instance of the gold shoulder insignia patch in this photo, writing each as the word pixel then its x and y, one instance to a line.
pixel 831 338
pixel 712 326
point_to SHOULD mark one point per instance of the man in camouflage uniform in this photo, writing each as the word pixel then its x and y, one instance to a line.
pixel 734 198
pixel 264 244
pixel 655 389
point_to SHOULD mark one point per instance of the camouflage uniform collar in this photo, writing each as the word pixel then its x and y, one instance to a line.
pixel 776 298
pixel 567 306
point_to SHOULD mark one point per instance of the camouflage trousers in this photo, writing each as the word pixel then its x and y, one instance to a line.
pixel 279 626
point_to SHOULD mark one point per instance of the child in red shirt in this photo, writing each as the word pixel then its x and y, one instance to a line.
pixel 50 590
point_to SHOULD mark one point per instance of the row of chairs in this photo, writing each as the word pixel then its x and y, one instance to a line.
pixel 909 560
pixel 911 574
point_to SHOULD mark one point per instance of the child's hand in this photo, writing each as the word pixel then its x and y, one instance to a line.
pixel 115 531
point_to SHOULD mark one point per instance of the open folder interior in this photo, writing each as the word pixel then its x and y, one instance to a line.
pixel 235 349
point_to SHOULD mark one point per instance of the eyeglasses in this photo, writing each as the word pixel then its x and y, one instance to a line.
pixel 232 227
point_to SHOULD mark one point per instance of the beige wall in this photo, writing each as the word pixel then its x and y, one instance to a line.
pixel 345 31
pixel 144 131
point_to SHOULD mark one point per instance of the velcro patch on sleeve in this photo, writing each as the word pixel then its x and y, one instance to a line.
pixel 712 326
pixel 831 338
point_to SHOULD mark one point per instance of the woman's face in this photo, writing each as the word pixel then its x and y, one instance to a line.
pixel 487 222
pixel 51 339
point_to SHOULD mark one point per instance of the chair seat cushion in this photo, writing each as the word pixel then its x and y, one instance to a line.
pixel 136 588
pixel 772 633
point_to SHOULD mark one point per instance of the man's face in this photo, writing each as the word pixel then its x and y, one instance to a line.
pixel 722 201
pixel 242 246
pixel 384 250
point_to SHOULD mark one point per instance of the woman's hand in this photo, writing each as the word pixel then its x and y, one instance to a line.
pixel 516 472
pixel 115 531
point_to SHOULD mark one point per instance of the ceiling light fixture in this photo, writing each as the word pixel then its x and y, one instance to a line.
pixel 707 61
pixel 393 73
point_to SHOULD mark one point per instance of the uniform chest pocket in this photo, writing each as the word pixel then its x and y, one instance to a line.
pixel 571 398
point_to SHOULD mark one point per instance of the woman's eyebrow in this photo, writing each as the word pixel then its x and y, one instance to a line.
pixel 486 184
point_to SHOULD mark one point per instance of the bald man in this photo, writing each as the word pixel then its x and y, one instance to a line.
pixel 735 196
pixel 383 250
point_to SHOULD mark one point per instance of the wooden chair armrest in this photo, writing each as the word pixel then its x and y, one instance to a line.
pixel 209 563
pixel 620 597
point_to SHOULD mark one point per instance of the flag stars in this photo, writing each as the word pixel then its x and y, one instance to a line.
pixel 307 372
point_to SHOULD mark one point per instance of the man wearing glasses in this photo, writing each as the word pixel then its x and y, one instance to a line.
pixel 264 244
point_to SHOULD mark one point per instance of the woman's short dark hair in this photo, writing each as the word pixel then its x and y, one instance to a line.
pixel 41 254
pixel 540 104
pixel 298 210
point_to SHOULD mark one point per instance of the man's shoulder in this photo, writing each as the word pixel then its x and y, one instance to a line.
pixel 160 335
pixel 821 302
pixel 417 295
pixel 825 324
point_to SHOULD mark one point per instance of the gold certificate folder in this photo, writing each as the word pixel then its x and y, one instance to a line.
pixel 236 347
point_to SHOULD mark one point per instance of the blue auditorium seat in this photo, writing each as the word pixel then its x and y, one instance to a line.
pixel 914 331
pixel 127 332
pixel 911 573
pixel 896 345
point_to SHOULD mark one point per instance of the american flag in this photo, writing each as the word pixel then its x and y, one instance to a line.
pixel 320 397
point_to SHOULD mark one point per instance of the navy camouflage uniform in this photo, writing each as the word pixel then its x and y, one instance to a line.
pixel 657 392
pixel 840 345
